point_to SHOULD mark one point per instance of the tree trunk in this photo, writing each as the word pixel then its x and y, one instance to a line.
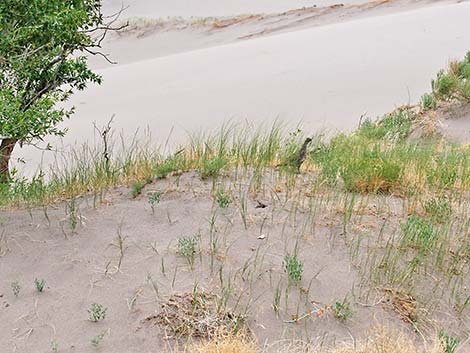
pixel 6 149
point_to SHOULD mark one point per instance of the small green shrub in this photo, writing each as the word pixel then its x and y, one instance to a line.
pixel 223 198
pixel 448 343
pixel 418 232
pixel 342 310
pixel 294 268
pixel 428 101
pixel 97 312
pixel 187 247
pixel 39 283
pixel 153 199
pixel 16 288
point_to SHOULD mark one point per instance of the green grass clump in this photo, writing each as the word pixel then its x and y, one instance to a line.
pixel 428 101
pixel 137 187
pixel 97 312
pixel 453 84
pixel 371 172
pixel 169 165
pixel 418 232
pixel 211 167
pixel 223 198
pixel 445 86
pixel 379 159
pixel 294 268
pixel 448 343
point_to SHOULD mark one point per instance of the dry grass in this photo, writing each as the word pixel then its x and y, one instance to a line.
pixel 199 315
pixel 225 343
pixel 380 340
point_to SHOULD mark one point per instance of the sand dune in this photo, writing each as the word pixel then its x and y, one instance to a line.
pixel 189 8
pixel 325 77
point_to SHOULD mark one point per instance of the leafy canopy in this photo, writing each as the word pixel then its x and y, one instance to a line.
pixel 42 48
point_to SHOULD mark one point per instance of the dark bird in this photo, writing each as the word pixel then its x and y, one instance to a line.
pixel 302 155
pixel 260 204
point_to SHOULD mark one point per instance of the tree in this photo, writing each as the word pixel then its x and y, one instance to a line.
pixel 43 48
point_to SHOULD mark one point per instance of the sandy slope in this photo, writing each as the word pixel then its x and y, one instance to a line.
pixel 325 76
pixel 191 8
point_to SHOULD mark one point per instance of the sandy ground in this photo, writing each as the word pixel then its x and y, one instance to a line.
pixel 81 267
pixel 325 75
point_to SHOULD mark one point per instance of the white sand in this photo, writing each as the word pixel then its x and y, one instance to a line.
pixel 325 77
pixel 203 8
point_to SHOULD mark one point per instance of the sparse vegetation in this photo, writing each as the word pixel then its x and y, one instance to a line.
pixel 137 187
pixel 294 267
pixel 96 341
pixel 187 247
pixel 97 312
pixel 418 232
pixel 342 310
pixel 438 209
pixel 154 199
pixel 449 343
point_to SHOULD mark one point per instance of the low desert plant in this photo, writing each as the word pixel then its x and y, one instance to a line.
pixel 187 247
pixel 153 199
pixel 15 287
pixel 97 312
pixel 39 283
pixel 294 268
pixel 342 310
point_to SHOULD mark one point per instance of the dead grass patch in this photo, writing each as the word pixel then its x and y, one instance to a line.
pixel 199 315
pixel 380 340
